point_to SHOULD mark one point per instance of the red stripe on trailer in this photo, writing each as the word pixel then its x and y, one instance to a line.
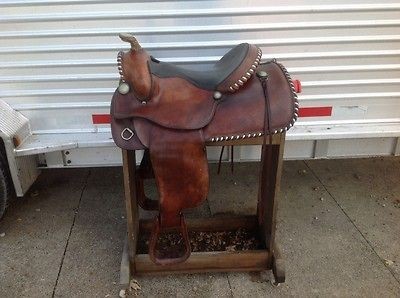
pixel 101 118
pixel 315 111
pixel 303 112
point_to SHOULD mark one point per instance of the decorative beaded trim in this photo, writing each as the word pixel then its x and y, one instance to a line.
pixel 119 62
pixel 239 83
pixel 259 134
pixel 237 137
pixel 294 95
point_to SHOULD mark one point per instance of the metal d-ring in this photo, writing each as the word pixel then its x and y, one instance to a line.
pixel 131 134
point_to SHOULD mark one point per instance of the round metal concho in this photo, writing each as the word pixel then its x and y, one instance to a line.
pixel 262 74
pixel 217 95
pixel 123 88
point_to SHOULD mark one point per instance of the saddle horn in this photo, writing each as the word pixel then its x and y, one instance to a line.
pixel 127 37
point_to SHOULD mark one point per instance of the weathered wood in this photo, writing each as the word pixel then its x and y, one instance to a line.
pixel 252 260
pixel 125 270
pixel 132 214
pixel 215 223
pixel 278 265
pixel 268 193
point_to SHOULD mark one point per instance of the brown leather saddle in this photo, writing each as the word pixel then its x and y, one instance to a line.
pixel 171 112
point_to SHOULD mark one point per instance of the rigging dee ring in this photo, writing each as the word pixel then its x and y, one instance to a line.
pixel 125 131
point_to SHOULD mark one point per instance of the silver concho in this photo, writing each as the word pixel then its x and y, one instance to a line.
pixel 217 95
pixel 262 74
pixel 123 88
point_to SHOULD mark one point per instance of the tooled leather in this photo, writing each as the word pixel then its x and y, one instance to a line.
pixel 240 71
pixel 137 74
pixel 175 104
pixel 243 112
pixel 237 113
pixel 118 125
pixel 181 171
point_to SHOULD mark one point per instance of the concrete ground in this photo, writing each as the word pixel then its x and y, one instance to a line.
pixel 338 225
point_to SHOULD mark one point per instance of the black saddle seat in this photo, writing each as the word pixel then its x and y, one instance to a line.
pixel 207 79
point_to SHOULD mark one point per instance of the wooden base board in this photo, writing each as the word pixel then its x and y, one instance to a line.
pixel 218 261
pixel 211 224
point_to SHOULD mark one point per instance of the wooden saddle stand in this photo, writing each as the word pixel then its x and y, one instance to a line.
pixel 172 114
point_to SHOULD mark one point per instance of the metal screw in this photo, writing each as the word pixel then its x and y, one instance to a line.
pixel 262 74
pixel 217 95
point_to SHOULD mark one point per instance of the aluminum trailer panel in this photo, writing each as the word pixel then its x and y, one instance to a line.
pixel 58 68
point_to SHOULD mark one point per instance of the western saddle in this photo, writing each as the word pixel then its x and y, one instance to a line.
pixel 171 112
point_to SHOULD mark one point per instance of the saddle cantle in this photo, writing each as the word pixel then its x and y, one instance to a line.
pixel 171 112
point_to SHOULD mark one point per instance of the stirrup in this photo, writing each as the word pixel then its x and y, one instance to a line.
pixel 155 233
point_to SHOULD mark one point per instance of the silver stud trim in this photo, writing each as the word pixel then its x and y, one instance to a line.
pixel 237 137
pixel 248 73
pixel 119 64
pixel 217 95
pixel 294 94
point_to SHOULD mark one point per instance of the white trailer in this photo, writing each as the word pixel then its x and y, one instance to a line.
pixel 58 72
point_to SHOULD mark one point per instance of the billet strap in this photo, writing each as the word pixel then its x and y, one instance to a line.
pixel 220 159
pixel 145 171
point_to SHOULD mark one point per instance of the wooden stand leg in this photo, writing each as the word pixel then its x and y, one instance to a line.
pixel 132 214
pixel 268 192
pixel 125 270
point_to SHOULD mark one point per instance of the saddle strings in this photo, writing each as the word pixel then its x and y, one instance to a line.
pixel 266 150
pixel 220 159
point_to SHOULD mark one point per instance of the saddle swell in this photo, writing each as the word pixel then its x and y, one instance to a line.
pixel 171 112
pixel 227 75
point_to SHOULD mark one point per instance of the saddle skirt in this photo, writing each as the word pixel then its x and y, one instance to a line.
pixel 171 112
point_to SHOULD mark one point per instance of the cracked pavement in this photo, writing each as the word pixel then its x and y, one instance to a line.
pixel 338 227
